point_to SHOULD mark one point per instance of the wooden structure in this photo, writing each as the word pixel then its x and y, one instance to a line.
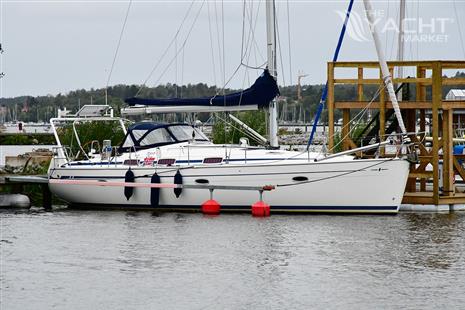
pixel 425 184
pixel 18 181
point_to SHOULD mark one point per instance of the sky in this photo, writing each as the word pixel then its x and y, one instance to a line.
pixel 53 47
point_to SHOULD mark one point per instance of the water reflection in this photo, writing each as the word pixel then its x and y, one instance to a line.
pixel 433 240
pixel 188 261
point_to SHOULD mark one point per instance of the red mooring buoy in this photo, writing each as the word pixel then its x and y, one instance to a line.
pixel 260 208
pixel 211 207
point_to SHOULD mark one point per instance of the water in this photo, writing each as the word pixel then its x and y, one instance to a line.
pixel 139 260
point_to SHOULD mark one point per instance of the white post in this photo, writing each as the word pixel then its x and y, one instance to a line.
pixel 400 44
pixel 271 53
pixel 382 62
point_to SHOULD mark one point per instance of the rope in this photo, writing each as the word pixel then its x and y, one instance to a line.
pixel 119 43
pixel 166 50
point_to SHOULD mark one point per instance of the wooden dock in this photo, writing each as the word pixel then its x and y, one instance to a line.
pixel 17 182
pixel 430 84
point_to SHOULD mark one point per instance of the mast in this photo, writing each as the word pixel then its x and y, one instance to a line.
pixel 387 79
pixel 400 44
pixel 271 58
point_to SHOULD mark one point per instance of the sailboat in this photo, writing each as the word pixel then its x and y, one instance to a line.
pixel 175 166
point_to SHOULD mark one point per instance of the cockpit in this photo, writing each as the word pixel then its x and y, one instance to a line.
pixel 147 135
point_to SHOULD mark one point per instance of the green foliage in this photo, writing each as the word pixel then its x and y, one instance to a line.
pixel 354 133
pixel 228 134
pixel 42 108
pixel 88 132
pixel 283 131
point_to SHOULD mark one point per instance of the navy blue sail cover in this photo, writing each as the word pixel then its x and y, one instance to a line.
pixel 261 93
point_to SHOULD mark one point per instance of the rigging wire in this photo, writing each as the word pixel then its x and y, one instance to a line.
pixel 418 30
pixel 325 89
pixel 459 28
pixel 357 118
pixel 250 18
pixel 2 74
pixel 218 41
pixel 182 71
pixel 167 48
pixel 224 53
pixel 386 35
pixel 252 27
pixel 224 60
pixel 211 43
pixel 289 42
pixel 241 131
pixel 280 52
pixel 117 47
pixel 391 53
pixel 243 28
pixel 182 46
pixel 337 175
pixel 176 68
pixel 410 43
pixel 245 53
pixel 241 64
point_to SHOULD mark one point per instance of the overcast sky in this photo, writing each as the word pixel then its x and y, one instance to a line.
pixel 53 47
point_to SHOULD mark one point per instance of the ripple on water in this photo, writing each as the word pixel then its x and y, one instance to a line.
pixel 139 260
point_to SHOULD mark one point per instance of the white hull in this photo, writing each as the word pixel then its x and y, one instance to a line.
pixel 368 186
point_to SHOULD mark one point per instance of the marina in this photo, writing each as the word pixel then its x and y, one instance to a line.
pixel 232 155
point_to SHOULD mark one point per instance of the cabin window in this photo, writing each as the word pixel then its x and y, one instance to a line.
pixel 157 136
pixel 185 133
pixel 128 142
pixel 137 133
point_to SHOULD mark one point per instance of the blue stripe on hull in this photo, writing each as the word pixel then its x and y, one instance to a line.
pixel 239 208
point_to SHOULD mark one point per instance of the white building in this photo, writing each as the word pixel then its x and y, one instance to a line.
pixel 456 94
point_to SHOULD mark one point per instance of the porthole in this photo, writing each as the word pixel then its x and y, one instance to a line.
pixel 300 179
